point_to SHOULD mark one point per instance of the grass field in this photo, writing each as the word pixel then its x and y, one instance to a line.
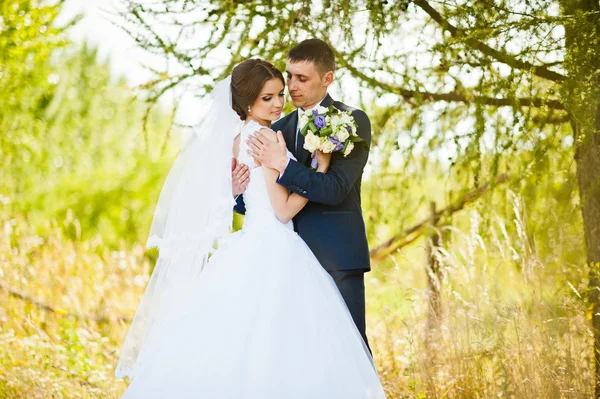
pixel 503 334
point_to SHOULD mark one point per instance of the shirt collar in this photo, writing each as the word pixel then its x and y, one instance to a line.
pixel 302 112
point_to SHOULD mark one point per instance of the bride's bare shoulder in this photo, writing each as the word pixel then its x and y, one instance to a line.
pixel 269 134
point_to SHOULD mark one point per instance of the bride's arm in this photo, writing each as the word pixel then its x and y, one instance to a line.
pixel 287 205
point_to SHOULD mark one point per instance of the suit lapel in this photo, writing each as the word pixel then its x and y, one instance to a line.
pixel 327 101
pixel 300 144
pixel 290 132
pixel 301 154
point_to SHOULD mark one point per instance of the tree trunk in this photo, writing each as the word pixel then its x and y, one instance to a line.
pixel 582 94
pixel 588 176
pixel 434 278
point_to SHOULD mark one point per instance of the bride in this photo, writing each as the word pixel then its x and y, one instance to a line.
pixel 245 315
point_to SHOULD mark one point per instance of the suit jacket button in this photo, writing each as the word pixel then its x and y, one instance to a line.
pixel 304 192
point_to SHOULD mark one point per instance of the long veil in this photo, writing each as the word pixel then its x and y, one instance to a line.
pixel 194 210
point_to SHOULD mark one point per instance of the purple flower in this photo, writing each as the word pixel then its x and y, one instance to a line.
pixel 348 128
pixel 320 122
pixel 315 112
pixel 335 140
pixel 314 163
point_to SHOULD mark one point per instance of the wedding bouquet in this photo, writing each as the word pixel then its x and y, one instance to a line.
pixel 329 130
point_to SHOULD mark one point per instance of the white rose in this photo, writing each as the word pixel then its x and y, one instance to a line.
pixel 342 134
pixel 335 120
pixel 322 110
pixel 303 120
pixel 349 149
pixel 346 118
pixel 311 142
pixel 327 146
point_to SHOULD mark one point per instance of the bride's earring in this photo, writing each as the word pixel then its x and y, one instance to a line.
pixel 249 110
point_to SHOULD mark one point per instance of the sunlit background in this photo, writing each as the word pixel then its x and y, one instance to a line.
pixel 481 284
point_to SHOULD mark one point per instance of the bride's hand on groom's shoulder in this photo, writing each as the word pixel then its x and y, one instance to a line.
pixel 240 177
pixel 269 152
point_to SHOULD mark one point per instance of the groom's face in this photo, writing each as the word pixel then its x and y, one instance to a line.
pixel 306 85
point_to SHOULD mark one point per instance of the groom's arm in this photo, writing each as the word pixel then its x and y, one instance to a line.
pixel 332 187
pixel 240 206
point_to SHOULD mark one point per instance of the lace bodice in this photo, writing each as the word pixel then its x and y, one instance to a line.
pixel 259 212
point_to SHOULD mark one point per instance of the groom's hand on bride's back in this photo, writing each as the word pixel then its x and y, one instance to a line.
pixel 240 177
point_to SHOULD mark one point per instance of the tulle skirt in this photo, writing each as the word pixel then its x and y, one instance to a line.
pixel 263 320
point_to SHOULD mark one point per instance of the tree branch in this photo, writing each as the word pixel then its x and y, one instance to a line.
pixel 452 96
pixel 503 57
pixel 412 233
pixel 59 311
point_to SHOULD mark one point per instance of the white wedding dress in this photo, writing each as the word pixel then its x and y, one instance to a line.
pixel 263 320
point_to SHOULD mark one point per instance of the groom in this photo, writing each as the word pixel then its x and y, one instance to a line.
pixel 331 223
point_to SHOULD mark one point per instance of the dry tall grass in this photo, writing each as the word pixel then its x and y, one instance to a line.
pixel 506 331
pixel 510 327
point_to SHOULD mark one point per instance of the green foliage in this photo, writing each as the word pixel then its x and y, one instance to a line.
pixel 95 161
pixel 496 65
pixel 72 141
pixel 28 38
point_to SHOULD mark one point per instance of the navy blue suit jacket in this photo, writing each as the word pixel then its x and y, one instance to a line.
pixel 331 223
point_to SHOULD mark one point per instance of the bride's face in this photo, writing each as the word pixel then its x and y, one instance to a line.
pixel 269 103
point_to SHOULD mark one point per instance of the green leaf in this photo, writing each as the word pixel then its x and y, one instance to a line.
pixel 326 131
pixel 357 139
pixel 345 146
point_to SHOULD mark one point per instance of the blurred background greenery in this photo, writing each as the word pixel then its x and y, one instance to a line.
pixel 83 160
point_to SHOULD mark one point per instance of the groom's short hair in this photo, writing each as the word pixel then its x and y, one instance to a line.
pixel 315 51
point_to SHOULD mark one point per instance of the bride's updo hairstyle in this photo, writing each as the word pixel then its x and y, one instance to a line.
pixel 247 81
